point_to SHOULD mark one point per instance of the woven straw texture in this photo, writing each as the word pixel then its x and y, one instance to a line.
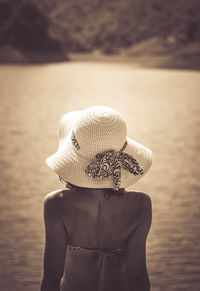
pixel 97 129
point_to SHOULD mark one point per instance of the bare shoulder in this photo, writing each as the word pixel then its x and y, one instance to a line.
pixel 53 197
pixel 57 197
pixel 146 198
pixel 52 205
pixel 144 208
pixel 139 195
pixel 141 201
pixel 147 203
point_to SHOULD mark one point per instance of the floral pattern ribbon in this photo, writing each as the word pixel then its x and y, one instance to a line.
pixel 110 163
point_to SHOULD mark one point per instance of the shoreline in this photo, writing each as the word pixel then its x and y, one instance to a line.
pixel 167 61
pixel 176 60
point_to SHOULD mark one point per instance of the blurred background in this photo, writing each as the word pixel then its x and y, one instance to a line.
pixel 45 31
pixel 140 57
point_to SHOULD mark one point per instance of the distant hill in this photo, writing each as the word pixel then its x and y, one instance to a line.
pixel 112 24
pixel 24 34
pixel 85 25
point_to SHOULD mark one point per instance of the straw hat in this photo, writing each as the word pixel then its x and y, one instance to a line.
pixel 94 151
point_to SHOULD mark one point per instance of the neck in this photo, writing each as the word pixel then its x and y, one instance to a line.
pixel 72 186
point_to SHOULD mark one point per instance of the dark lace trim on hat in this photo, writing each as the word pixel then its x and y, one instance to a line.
pixel 74 141
pixel 110 164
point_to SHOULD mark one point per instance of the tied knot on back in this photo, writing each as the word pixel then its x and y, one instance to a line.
pixel 108 258
pixel 110 163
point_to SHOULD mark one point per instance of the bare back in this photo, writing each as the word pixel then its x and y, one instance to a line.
pixel 91 219
pixel 95 220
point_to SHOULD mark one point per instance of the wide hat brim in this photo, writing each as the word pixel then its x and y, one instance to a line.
pixel 70 164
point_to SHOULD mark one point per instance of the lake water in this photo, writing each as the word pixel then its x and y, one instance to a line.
pixel 162 112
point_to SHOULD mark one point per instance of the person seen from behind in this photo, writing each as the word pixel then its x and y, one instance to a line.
pixel 96 230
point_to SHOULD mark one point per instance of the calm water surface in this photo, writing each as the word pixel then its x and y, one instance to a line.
pixel 162 112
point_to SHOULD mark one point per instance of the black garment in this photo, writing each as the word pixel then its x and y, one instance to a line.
pixel 91 270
